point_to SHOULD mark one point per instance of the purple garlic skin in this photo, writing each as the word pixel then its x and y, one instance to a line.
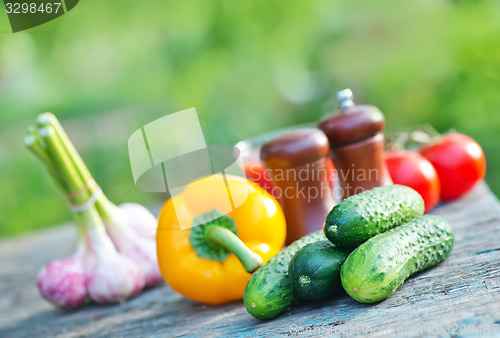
pixel 140 250
pixel 112 277
pixel 140 219
pixel 63 282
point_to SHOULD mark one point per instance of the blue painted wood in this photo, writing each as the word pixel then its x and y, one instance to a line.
pixel 460 296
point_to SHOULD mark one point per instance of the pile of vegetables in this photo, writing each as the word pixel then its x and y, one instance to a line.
pixel 223 228
pixel 116 251
pixel 370 244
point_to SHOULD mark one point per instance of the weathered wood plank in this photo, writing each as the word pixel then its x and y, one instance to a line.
pixel 464 290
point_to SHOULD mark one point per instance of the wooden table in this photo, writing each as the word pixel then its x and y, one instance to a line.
pixel 463 292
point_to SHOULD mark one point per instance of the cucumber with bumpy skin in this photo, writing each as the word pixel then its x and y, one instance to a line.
pixel 269 291
pixel 371 212
pixel 315 270
pixel 375 269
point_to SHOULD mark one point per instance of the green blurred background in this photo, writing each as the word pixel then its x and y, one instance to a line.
pixel 248 66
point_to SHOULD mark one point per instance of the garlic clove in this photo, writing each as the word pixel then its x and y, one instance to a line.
pixel 140 219
pixel 139 249
pixel 112 277
pixel 63 282
pixel 142 251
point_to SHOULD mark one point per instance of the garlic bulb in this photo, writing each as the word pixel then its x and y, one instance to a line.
pixel 139 249
pixel 107 271
pixel 140 219
pixel 111 277
pixel 63 281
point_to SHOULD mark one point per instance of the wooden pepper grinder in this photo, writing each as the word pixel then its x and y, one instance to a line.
pixel 297 162
pixel 356 139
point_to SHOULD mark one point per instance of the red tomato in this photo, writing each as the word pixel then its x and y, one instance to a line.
pixel 459 162
pixel 258 174
pixel 415 171
pixel 330 169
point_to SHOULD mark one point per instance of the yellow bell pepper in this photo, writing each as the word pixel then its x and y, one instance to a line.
pixel 212 262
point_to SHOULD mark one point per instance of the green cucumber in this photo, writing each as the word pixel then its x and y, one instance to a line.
pixel 371 212
pixel 315 270
pixel 269 291
pixel 375 269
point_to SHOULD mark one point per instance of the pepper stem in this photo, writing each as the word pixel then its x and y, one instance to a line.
pixel 214 236
pixel 217 235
